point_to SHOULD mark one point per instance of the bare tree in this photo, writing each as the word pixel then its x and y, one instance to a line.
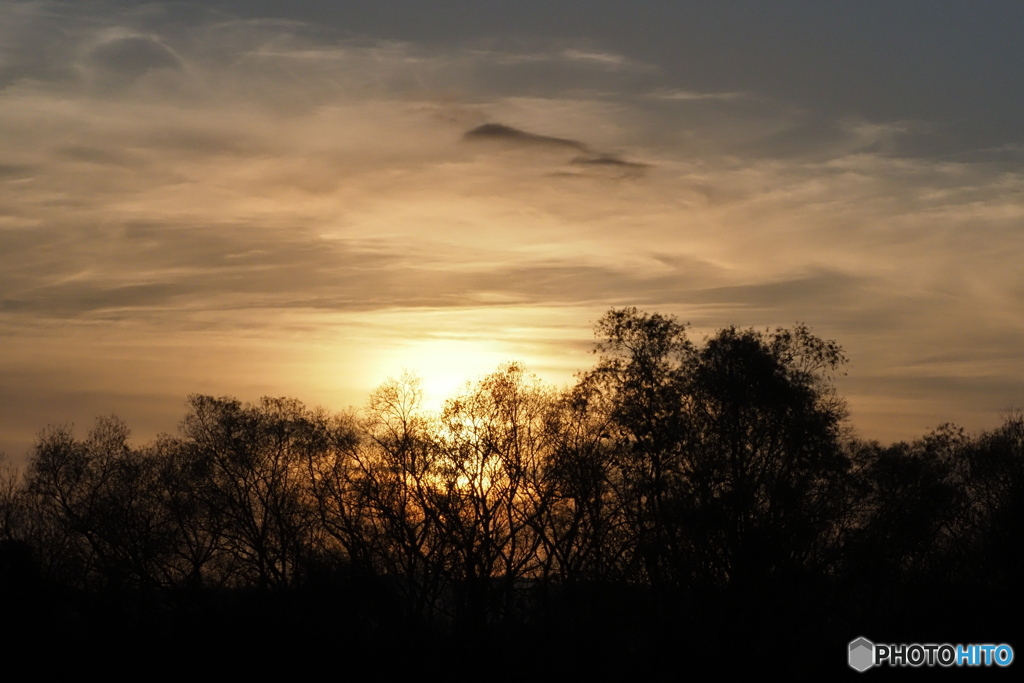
pixel 255 459
pixel 490 493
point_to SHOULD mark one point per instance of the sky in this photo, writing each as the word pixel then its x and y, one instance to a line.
pixel 263 198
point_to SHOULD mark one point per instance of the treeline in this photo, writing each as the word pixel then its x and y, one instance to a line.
pixel 680 499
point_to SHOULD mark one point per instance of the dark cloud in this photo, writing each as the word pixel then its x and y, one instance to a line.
pixel 513 137
pixel 949 395
pixel 15 171
pixel 587 160
pixel 827 287
pixel 77 298
pixel 616 165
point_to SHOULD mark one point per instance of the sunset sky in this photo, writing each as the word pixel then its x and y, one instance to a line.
pixel 266 198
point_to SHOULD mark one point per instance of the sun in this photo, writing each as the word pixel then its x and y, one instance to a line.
pixel 445 366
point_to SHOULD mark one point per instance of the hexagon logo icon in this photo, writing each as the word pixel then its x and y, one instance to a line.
pixel 862 654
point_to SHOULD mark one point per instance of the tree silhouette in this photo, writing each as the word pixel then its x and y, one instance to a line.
pixel 678 492
pixel 254 457
pixel 767 450
pixel 581 522
pixel 489 494
pixel 640 381
pixel 72 485
pixel 373 491
pixel 10 508
pixel 728 453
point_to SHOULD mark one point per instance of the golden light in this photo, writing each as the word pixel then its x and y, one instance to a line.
pixel 445 366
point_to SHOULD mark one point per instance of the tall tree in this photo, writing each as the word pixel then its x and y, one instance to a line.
pixel 640 382
pixel 729 454
pixel 489 495
pixel 766 463
pixel 255 456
